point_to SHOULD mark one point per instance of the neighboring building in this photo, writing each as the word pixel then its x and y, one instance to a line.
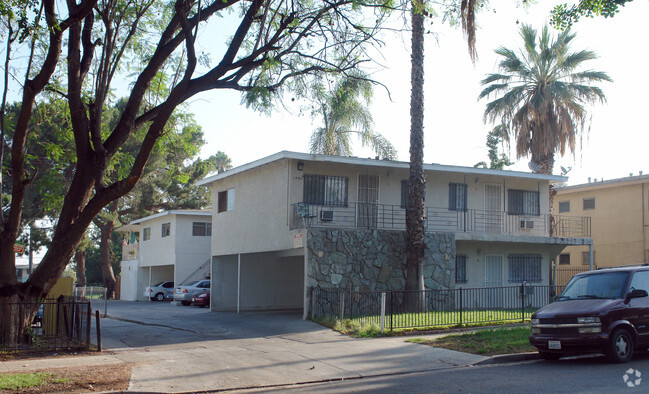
pixel 168 246
pixel 619 210
pixel 292 222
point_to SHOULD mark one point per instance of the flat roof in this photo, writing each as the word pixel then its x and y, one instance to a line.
pixel 629 180
pixel 376 163
pixel 134 225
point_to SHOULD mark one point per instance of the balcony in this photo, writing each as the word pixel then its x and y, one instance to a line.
pixel 393 217
pixel 129 251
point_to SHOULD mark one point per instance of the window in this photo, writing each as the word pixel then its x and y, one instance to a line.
pixel 564 206
pixel 457 196
pixel 166 229
pixel 202 229
pixel 146 233
pixel 589 203
pixel 585 258
pixel 523 202
pixel 404 194
pixel 330 191
pixel 640 281
pixel 460 269
pixel 564 259
pixel 524 268
pixel 225 201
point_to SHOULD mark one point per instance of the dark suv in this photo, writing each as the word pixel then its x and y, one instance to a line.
pixel 603 311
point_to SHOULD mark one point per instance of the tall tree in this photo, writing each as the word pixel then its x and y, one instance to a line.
pixel 274 45
pixel 496 137
pixel 415 230
pixel 344 113
pixel 542 93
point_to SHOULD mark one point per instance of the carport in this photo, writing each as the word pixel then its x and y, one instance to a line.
pixel 258 281
pixel 150 275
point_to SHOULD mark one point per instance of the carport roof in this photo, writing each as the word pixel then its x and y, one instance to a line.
pixel 377 163
pixel 135 224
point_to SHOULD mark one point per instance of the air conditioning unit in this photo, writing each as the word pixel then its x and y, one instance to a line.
pixel 326 216
pixel 527 224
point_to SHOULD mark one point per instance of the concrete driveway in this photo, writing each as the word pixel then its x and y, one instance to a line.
pixel 177 348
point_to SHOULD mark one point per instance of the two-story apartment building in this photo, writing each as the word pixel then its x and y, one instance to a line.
pixel 619 211
pixel 167 246
pixel 291 222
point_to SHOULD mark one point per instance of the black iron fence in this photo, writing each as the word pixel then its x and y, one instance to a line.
pixel 393 217
pixel 62 323
pixel 432 308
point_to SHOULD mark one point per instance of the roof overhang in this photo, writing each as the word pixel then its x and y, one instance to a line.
pixel 135 225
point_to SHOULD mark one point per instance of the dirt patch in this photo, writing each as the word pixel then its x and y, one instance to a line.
pixel 114 377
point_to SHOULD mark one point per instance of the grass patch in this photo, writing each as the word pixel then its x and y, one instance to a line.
pixel 21 381
pixel 485 342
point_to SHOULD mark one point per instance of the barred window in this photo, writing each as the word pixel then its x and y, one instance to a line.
pixel 329 191
pixel 201 229
pixel 523 202
pixel 589 203
pixel 564 206
pixel 460 269
pixel 524 268
pixel 457 196
pixel 564 259
pixel 146 233
pixel 585 258
pixel 166 229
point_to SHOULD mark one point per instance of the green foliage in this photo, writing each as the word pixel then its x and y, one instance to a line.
pixel 563 15
pixel 486 342
pixel 496 161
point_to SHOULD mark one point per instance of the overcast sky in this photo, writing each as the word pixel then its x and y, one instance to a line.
pixel 455 134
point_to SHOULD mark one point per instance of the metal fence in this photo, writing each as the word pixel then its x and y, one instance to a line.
pixel 62 323
pixel 97 295
pixel 432 308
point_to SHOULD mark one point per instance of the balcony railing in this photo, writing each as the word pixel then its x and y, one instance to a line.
pixel 393 217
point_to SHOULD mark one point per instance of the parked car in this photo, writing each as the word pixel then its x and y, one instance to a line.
pixel 201 299
pixel 184 293
pixel 603 311
pixel 38 317
pixel 160 291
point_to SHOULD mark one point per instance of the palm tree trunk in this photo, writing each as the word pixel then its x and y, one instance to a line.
pixel 415 211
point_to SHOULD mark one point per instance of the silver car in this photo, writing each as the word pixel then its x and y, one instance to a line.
pixel 185 292
pixel 160 291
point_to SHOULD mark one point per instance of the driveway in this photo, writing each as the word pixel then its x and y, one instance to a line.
pixel 177 348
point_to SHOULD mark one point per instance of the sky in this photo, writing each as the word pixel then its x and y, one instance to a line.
pixel 613 146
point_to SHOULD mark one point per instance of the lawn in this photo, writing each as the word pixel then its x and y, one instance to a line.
pixel 485 342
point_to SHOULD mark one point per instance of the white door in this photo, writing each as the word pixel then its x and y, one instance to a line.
pixel 493 211
pixel 493 281
pixel 368 200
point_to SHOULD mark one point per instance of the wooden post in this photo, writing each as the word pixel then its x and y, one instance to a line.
pixel 98 330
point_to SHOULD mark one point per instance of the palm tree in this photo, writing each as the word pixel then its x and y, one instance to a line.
pixel 345 114
pixel 542 95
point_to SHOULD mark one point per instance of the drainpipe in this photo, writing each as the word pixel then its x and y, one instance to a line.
pixel 645 257
pixel 149 284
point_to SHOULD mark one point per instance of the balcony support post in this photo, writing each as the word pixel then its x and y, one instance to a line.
pixel 590 255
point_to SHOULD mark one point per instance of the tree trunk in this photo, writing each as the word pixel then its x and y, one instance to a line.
pixel 106 264
pixel 80 259
pixel 415 212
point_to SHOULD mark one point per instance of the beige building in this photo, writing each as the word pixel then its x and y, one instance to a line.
pixel 293 222
pixel 619 210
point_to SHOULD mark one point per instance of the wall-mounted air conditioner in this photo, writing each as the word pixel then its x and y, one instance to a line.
pixel 326 216
pixel 527 224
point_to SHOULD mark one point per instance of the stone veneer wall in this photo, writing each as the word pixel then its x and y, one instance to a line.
pixel 374 260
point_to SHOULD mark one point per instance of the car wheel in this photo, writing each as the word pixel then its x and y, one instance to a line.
pixel 185 303
pixel 620 346
pixel 550 356
pixel 159 297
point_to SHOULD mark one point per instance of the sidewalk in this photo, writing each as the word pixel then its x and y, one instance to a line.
pixel 231 351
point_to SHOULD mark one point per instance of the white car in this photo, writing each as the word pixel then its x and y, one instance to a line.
pixel 160 291
pixel 184 293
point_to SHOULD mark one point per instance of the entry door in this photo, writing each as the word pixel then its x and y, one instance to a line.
pixel 493 211
pixel 368 200
pixel 493 281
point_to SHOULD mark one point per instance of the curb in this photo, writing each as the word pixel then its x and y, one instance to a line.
pixel 508 358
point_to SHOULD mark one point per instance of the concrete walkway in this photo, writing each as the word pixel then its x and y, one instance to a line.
pixel 180 349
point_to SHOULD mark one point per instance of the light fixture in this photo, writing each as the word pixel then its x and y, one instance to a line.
pixel 300 166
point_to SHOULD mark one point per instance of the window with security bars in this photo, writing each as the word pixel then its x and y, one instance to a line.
pixel 564 206
pixel 201 229
pixel 589 203
pixel 166 229
pixel 564 259
pixel 329 191
pixel 460 269
pixel 457 196
pixel 524 268
pixel 523 202
pixel 585 258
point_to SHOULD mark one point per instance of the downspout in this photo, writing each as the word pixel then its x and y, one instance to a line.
pixel 645 257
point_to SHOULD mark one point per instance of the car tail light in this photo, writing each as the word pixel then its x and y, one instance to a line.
pixel 185 291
